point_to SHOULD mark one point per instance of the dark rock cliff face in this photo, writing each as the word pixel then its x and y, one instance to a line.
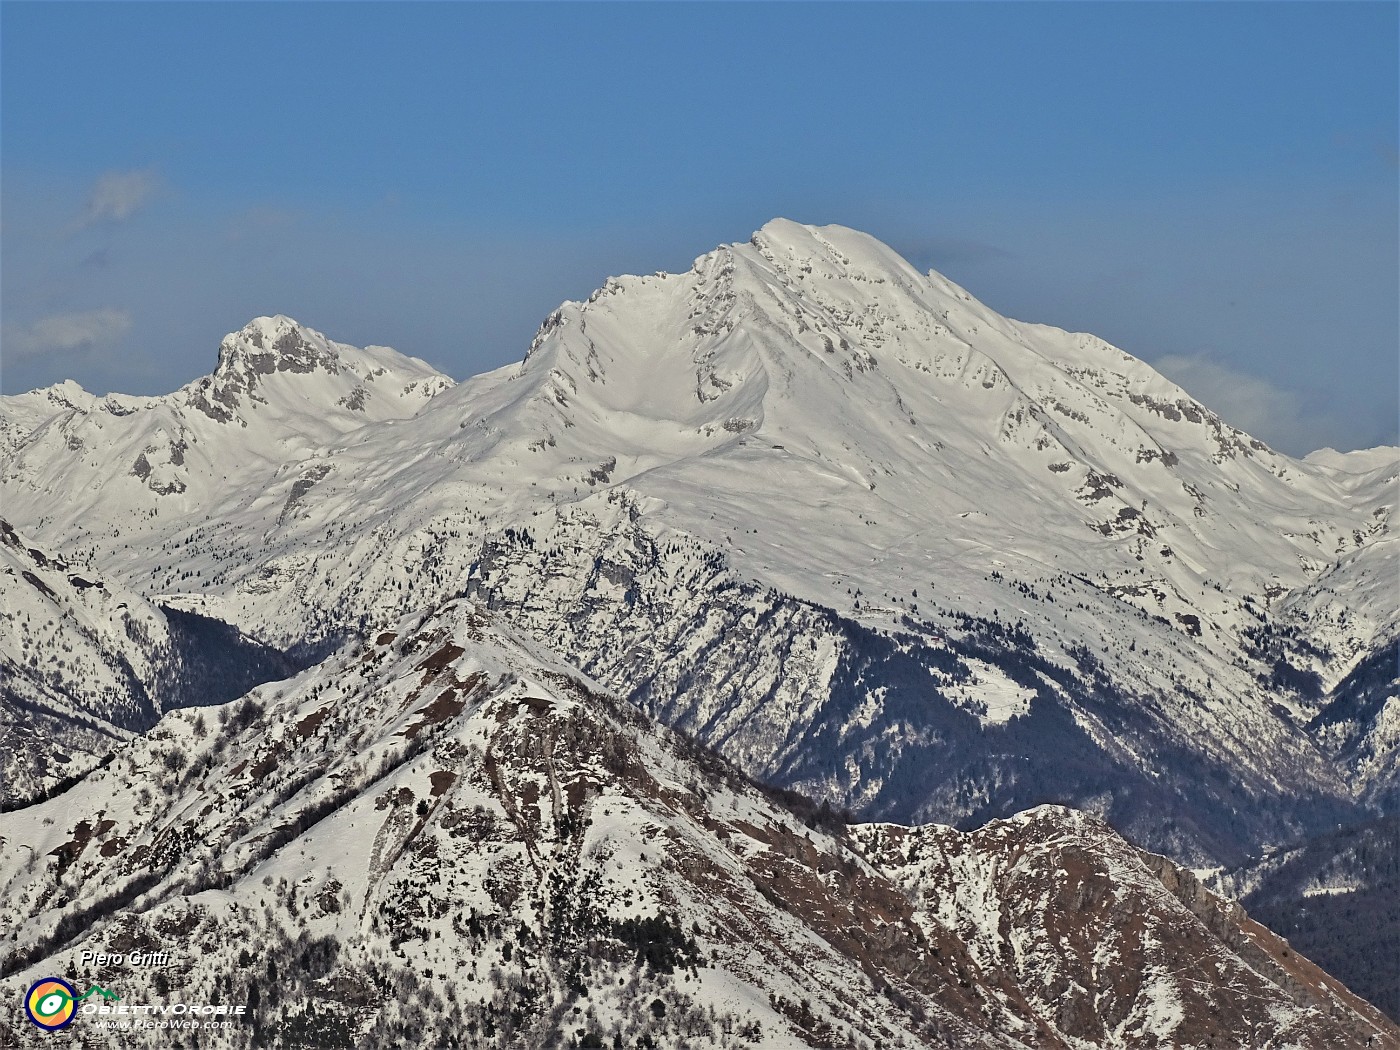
pixel 245 358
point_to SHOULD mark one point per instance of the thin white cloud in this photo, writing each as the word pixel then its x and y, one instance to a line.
pixel 1256 406
pixel 66 333
pixel 115 197
pixel 1244 401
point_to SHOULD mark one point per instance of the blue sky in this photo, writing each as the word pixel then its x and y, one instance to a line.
pixel 1210 186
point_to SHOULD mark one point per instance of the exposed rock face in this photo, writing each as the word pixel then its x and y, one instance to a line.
pixel 447 801
pixel 263 348
pixel 1053 897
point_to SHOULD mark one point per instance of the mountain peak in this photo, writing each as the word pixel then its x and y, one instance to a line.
pixel 271 351
pixel 262 348
pixel 818 337
pixel 784 230
pixel 275 344
pixel 840 249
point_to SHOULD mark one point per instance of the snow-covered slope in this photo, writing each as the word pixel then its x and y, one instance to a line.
pixel 280 394
pixel 85 663
pixel 23 413
pixel 832 516
pixel 68 688
pixel 446 831
pixel 1052 895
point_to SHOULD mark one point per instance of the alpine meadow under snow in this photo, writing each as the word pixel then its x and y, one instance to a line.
pixel 774 656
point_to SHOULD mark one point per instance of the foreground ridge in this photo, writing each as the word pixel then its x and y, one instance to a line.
pixel 446 830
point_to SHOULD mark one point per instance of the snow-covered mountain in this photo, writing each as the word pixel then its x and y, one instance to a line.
pixel 279 393
pixel 446 831
pixel 75 659
pixel 85 663
pixel 830 515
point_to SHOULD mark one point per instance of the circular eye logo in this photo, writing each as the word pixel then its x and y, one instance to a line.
pixel 50 1003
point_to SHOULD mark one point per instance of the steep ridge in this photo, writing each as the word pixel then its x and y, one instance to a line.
pixel 1052 895
pixel 69 634
pixel 444 830
pixel 85 663
pixel 734 494
pixel 119 465
pixel 1336 897
pixel 75 657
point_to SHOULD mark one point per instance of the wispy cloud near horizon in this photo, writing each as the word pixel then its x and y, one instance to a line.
pixel 115 197
pixel 72 332
pixel 1276 415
